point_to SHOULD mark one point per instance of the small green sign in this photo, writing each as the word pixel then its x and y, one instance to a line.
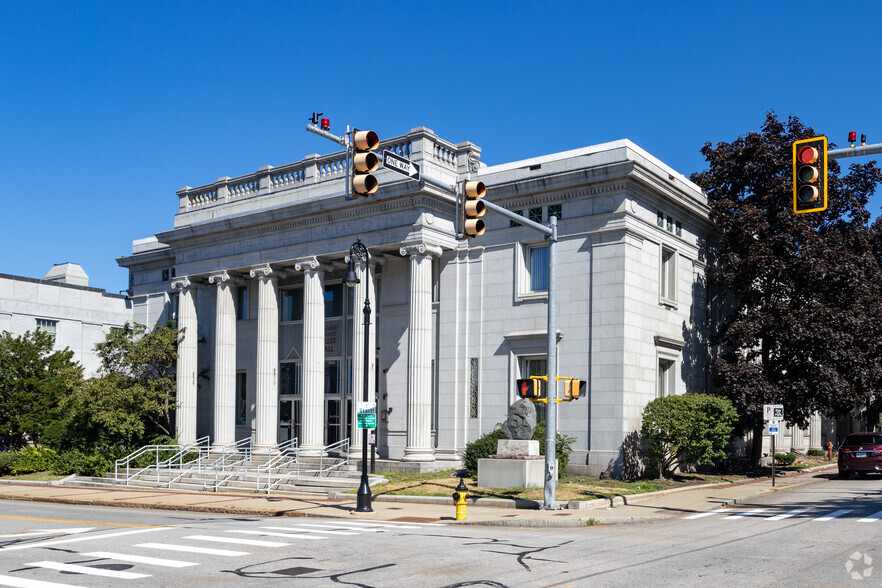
pixel 367 415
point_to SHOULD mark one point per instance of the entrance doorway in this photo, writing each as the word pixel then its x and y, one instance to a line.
pixel 289 418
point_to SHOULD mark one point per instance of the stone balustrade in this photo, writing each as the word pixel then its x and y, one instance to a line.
pixel 435 156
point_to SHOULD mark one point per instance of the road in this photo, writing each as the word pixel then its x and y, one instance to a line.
pixel 825 534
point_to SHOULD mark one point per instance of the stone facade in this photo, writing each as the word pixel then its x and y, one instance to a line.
pixel 253 269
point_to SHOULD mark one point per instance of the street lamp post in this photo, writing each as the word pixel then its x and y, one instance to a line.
pixel 360 252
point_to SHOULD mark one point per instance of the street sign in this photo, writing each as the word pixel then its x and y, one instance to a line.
pixel 367 415
pixel 401 165
pixel 773 412
pixel 773 429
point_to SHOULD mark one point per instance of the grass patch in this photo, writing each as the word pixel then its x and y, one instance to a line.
pixel 34 477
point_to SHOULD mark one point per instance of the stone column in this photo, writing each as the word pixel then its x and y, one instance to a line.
pixel 313 366
pixel 815 432
pixel 419 354
pixel 224 360
pixel 364 289
pixel 188 359
pixel 267 377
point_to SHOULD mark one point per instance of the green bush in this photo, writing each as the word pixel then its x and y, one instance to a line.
pixel 33 459
pixel 7 458
pixel 485 446
pixel 816 452
pixel 687 428
pixel 785 458
pixel 77 462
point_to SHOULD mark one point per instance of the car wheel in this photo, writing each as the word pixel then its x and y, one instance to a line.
pixel 844 475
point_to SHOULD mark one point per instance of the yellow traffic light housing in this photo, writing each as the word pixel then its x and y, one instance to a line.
pixel 364 161
pixel 532 388
pixel 574 389
pixel 472 208
pixel 810 175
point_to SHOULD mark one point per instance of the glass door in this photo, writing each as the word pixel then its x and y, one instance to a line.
pixel 289 419
pixel 334 427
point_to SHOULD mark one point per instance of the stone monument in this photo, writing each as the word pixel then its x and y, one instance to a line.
pixel 517 463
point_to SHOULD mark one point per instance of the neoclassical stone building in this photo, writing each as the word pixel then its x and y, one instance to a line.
pixel 274 348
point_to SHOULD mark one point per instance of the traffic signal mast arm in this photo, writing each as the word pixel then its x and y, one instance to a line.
pixel 855 151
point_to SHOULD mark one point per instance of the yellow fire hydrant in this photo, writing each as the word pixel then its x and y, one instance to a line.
pixel 459 499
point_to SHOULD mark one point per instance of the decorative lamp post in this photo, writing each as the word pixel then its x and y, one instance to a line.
pixel 360 252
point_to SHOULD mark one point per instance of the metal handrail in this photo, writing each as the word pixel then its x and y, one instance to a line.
pixel 181 449
pixel 243 449
pixel 340 446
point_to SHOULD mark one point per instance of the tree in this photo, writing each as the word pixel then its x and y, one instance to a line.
pixel 33 380
pixel 688 428
pixel 132 401
pixel 803 324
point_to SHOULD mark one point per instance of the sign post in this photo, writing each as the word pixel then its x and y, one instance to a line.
pixel 773 414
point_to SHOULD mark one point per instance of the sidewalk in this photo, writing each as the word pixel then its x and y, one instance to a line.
pixel 634 508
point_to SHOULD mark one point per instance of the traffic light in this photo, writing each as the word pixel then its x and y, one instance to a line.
pixel 574 389
pixel 810 175
pixel 531 388
pixel 472 208
pixel 364 161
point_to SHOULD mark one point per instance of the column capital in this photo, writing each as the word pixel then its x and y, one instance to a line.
pixel 265 270
pixel 185 282
pixel 305 264
pixel 223 276
pixel 420 249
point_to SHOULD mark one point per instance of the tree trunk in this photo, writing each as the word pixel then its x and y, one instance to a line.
pixel 757 449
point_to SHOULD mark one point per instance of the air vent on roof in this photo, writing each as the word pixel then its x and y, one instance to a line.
pixel 535 167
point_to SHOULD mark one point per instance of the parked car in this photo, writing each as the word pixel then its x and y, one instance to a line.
pixel 861 453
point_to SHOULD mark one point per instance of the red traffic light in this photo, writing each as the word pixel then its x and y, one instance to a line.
pixel 852 136
pixel 808 155
pixel 326 124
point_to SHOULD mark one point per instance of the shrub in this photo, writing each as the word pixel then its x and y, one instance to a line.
pixel 33 459
pixel 6 460
pixel 785 458
pixel 689 428
pixel 816 452
pixel 77 462
pixel 563 448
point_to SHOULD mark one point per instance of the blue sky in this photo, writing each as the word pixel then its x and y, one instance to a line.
pixel 109 107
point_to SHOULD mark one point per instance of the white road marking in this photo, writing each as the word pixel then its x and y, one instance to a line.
pixel 747 513
pixel 191 549
pixel 786 515
pixel 872 518
pixel 234 540
pixel 398 524
pixel 299 530
pixel 75 569
pixel 833 515
pixel 153 561
pixel 708 513
pixel 343 527
pixel 276 534
pixel 74 539
pixel 26 583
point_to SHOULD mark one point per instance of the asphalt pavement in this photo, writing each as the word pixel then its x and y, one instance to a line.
pixel 482 511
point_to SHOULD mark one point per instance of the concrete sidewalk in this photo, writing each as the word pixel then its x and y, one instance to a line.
pixel 634 508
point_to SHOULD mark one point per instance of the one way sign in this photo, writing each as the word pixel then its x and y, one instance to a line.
pixel 401 165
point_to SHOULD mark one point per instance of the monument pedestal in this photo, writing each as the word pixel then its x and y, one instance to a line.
pixel 517 464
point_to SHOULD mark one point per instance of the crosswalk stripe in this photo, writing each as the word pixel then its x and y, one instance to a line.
pixel 395 524
pixel 254 542
pixel 76 569
pixel 707 514
pixel 153 561
pixel 872 518
pixel 833 515
pixel 326 531
pixel 786 515
pixel 77 539
pixel 747 513
pixel 276 534
pixel 191 549
pixel 13 582
pixel 342 527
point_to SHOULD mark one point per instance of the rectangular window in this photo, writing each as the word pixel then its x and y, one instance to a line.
pixel 292 305
pixel 666 374
pixel 241 397
pixel 332 377
pixel 289 377
pixel 334 300
pixel 242 303
pixel 473 387
pixel 537 266
pixel 668 275
pixel 513 223
pixel 47 326
pixel 535 214
pixel 555 210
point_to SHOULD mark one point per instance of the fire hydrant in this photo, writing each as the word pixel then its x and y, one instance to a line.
pixel 459 499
